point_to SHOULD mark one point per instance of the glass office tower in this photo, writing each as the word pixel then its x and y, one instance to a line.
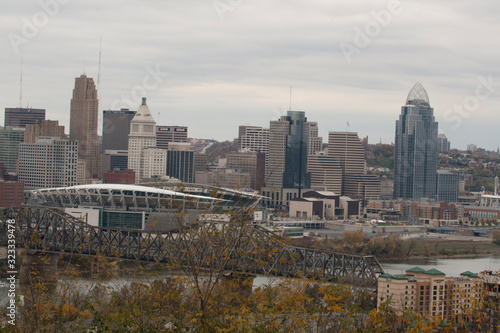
pixel 415 156
pixel 295 175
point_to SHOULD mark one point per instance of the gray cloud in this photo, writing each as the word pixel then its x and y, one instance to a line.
pixel 238 70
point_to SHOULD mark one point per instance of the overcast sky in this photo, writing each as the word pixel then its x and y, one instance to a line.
pixel 213 65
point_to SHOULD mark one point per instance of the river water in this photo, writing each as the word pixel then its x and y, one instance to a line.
pixel 449 266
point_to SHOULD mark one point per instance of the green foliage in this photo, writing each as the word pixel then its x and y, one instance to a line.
pixel 381 155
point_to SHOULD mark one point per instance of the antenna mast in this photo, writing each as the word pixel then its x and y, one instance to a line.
pixel 290 108
pixel 21 86
pixel 99 69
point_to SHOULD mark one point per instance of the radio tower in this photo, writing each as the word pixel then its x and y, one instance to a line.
pixel 21 86
pixel 99 71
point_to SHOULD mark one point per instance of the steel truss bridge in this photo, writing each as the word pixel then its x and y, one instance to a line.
pixel 234 246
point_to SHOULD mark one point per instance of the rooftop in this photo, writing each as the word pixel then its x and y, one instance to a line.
pixel 418 96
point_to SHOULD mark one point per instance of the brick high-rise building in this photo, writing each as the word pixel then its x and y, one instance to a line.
pixel 126 176
pixel 43 128
pixel 20 117
pixel 11 194
pixel 83 124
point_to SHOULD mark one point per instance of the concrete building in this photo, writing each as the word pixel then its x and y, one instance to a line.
pixel 200 162
pixel 443 143
pixel 43 128
pixel 49 162
pixel 114 160
pixel 315 143
pixel 312 208
pixel 84 116
pixel 415 157
pixel 431 293
pixel 326 174
pixel 368 187
pixel 253 139
pixel 10 138
pixel 447 186
pixel 275 164
pixel 11 193
pixel 471 147
pixel 386 188
pixel 286 165
pixel 153 163
pixel 167 134
pixel 324 205
pixel 115 129
pixel 253 163
pixel 347 149
pixel 20 117
pixel 142 135
pixel 180 161
pixel 225 178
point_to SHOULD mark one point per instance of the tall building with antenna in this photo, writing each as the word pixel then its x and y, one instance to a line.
pixel 84 114
pixel 286 165
pixel 20 117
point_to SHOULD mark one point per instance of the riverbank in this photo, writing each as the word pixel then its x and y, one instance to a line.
pixel 442 248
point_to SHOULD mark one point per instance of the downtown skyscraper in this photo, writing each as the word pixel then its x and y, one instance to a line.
pixel 415 156
pixel 286 166
pixel 83 124
pixel 143 156
pixel 287 161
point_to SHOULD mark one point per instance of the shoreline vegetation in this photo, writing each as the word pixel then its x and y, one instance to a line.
pixel 394 248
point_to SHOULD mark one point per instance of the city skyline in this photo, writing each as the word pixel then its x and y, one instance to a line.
pixel 236 61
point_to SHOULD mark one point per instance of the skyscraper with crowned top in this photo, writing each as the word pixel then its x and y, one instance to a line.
pixel 415 156
pixel 143 156
pixel 84 115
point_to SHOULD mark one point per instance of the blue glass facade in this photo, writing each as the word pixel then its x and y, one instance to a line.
pixel 415 157
pixel 295 175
